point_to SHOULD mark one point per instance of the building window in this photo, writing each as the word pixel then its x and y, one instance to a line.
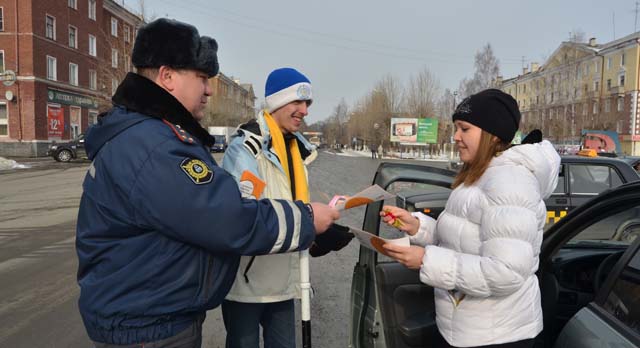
pixel 92 9
pixel 596 67
pixel 622 60
pixel 114 27
pixel 93 79
pixel 73 4
pixel 608 63
pixel 1 18
pixel 92 45
pixel 73 74
pixel 114 85
pixel 608 84
pixel 1 61
pixel 596 86
pixel 127 33
pixel 621 104
pixel 52 69
pixel 4 120
pixel 585 107
pixel 595 107
pixel 114 58
pixel 50 27
pixel 127 62
pixel 607 105
pixel 93 117
pixel 73 37
pixel 621 80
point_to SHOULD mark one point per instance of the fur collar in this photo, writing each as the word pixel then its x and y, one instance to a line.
pixel 139 94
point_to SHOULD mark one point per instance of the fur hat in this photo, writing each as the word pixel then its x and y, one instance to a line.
pixel 285 85
pixel 174 44
pixel 492 110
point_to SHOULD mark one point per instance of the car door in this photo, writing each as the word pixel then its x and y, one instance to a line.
pixel 581 258
pixel 613 320
pixel 559 202
pixel 390 307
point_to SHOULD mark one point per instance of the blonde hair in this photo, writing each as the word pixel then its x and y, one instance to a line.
pixel 489 147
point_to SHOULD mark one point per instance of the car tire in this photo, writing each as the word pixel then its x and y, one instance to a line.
pixel 64 156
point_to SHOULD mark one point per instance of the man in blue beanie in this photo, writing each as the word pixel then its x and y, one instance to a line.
pixel 161 227
pixel 270 149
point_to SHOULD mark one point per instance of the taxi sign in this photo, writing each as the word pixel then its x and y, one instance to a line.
pixel 588 153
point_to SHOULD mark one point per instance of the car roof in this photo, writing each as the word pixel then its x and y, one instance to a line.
pixel 622 166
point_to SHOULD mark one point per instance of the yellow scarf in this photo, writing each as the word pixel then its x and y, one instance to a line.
pixel 277 141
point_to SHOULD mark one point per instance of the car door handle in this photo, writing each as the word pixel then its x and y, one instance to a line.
pixel 561 200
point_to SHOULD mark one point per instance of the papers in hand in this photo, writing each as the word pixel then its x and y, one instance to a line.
pixel 369 195
pixel 375 243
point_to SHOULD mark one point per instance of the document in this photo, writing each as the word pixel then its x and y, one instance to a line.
pixel 369 195
pixel 375 243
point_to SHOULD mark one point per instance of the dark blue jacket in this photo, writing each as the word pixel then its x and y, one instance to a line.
pixel 161 227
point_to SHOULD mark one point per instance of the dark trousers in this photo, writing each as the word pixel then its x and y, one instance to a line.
pixel 243 321
pixel 442 343
pixel 191 337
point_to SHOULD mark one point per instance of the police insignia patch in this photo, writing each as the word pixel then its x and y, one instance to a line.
pixel 197 171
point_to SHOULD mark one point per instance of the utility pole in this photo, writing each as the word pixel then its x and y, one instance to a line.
pixel 635 23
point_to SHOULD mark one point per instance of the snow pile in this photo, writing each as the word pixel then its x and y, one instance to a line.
pixel 6 164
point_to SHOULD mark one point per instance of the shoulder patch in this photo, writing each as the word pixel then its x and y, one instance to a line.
pixel 252 143
pixel 180 133
pixel 197 171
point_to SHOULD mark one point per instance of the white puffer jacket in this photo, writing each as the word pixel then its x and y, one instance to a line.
pixel 482 253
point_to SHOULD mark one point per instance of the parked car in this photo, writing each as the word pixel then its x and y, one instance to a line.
pixel 220 145
pixel 66 151
pixel 589 270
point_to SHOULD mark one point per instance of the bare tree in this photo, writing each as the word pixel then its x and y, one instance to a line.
pixel 487 69
pixel 421 94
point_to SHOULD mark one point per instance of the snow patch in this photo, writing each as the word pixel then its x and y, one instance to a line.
pixel 6 164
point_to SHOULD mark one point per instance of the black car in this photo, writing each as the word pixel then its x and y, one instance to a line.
pixel 66 151
pixel 220 145
pixel 589 268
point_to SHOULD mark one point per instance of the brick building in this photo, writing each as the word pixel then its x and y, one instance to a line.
pixel 61 61
pixel 231 102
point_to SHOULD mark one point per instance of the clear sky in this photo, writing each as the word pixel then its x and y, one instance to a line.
pixel 346 46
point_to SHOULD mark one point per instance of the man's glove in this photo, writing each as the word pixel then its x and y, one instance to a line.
pixel 335 238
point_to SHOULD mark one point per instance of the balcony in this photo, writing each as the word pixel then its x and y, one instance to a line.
pixel 617 90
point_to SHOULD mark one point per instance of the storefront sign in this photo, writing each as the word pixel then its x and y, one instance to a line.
pixel 55 96
pixel 55 121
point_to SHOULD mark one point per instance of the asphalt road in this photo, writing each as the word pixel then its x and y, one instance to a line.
pixel 38 296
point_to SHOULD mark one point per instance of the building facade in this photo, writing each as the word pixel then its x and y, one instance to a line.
pixel 231 102
pixel 582 86
pixel 61 61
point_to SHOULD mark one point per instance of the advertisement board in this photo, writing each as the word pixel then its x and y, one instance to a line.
pixel 55 121
pixel 417 131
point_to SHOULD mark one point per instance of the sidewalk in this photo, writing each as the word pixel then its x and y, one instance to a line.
pixel 388 155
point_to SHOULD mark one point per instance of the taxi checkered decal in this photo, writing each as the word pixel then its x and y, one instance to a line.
pixel 555 216
pixel 197 171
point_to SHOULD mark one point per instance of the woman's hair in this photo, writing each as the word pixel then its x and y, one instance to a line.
pixel 488 148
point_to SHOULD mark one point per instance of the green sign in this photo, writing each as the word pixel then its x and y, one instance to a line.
pixel 428 130
pixel 55 96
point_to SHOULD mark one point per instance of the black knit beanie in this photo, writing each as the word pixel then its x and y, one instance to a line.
pixel 492 110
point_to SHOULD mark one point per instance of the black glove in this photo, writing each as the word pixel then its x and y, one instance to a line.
pixel 335 238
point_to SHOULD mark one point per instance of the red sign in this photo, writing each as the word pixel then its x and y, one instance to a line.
pixel 635 138
pixel 55 120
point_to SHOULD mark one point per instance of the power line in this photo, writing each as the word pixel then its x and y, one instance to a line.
pixel 298 33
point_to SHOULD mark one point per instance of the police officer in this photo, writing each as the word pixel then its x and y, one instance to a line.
pixel 161 227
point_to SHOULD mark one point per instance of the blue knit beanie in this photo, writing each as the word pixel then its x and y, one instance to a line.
pixel 285 85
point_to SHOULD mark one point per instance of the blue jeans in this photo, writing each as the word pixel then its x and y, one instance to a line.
pixel 243 320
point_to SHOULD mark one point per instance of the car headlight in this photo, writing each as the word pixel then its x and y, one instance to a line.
pixel 53 147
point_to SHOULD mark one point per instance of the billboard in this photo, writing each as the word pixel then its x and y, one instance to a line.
pixel 55 120
pixel 414 130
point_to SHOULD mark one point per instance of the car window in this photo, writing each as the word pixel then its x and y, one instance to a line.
pixel 560 188
pixel 620 229
pixel 417 197
pixel 623 302
pixel 592 179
